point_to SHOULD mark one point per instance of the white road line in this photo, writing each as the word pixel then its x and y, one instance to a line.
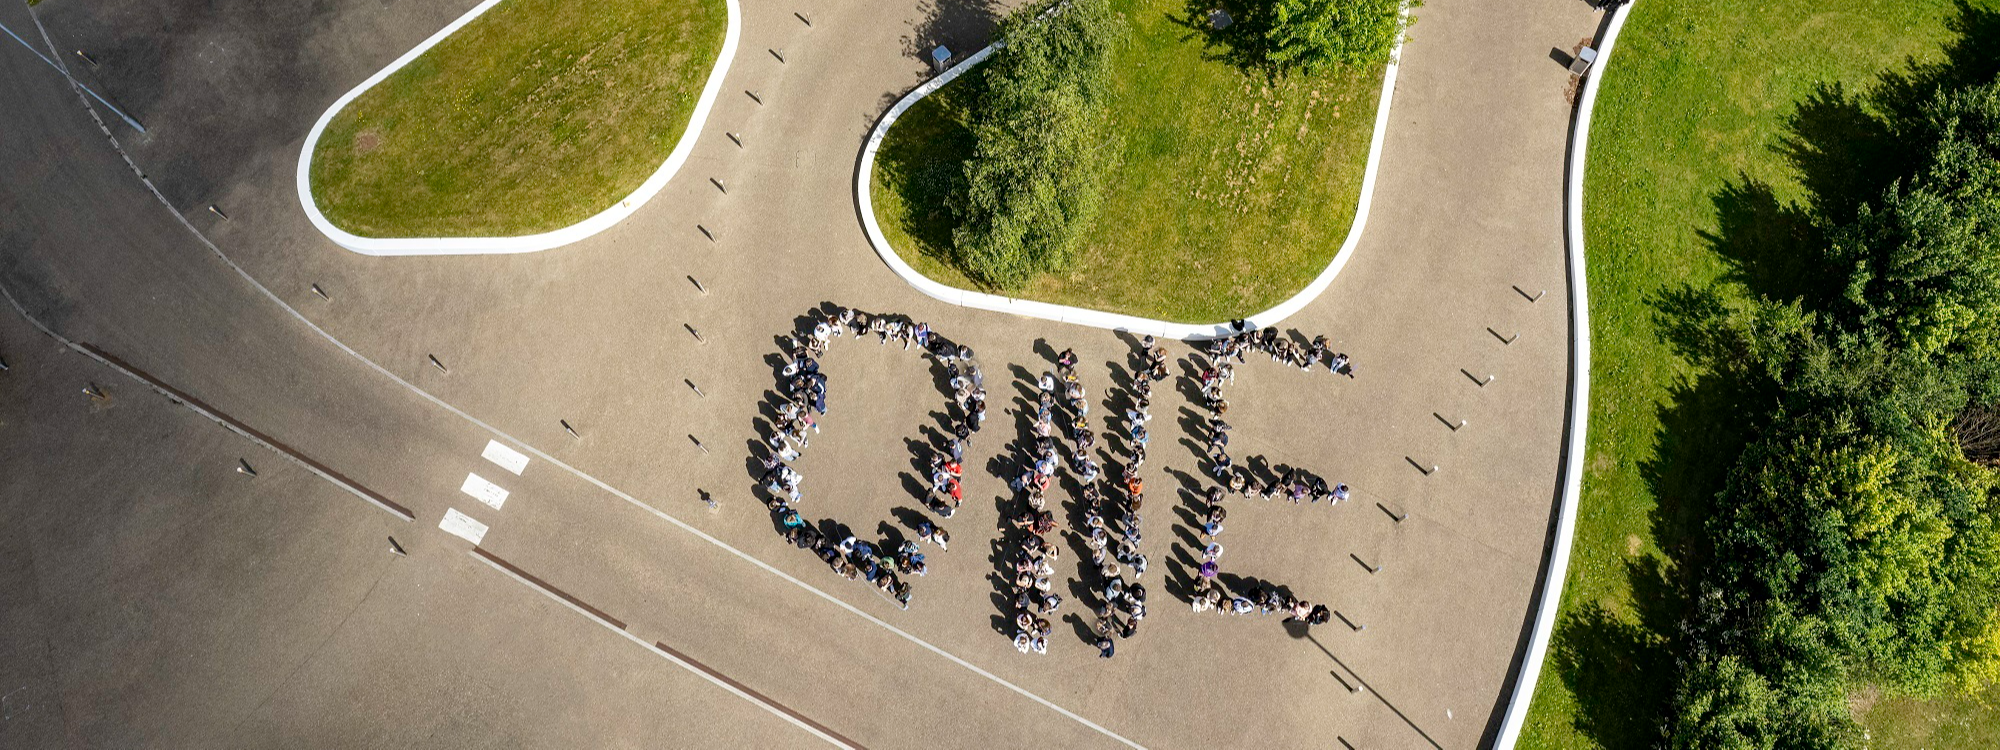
pixel 460 413
pixel 484 491
pixel 767 706
pixel 462 526
pixel 844 605
pixel 505 457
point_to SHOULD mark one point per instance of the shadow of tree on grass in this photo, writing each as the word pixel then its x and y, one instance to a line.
pixel 1845 148
pixel 922 161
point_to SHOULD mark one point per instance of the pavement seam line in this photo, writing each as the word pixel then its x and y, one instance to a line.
pixel 317 649
pixel 1521 698
pixel 201 409
pixel 441 403
pixel 595 223
pixel 865 206
pixel 763 703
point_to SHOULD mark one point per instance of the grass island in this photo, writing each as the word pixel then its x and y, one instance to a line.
pixel 1230 190
pixel 530 118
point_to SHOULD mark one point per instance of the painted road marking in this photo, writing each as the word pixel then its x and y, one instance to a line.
pixel 679 659
pixel 462 526
pixel 544 455
pixel 508 458
pixel 484 491
pixel 594 481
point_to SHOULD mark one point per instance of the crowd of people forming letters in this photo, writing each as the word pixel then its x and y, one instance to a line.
pixel 1232 480
pixel 798 413
pixel 1109 505
pixel 1058 441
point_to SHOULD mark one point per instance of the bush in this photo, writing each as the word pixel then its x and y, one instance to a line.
pixel 1724 706
pixel 1854 541
pixel 1043 148
pixel 1314 35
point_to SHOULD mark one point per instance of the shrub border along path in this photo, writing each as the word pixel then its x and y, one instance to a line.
pixel 524 243
pixel 865 175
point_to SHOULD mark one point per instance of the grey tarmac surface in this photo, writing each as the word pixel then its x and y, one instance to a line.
pixel 153 596
pixel 1468 204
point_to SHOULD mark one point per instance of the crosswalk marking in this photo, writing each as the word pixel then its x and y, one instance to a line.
pixel 461 525
pixel 484 491
pixel 507 458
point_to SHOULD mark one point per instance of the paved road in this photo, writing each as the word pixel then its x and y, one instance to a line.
pixel 450 650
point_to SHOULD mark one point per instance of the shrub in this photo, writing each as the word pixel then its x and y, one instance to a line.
pixel 1314 35
pixel 1043 149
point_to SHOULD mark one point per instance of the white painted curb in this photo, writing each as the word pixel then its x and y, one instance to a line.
pixel 865 176
pixel 524 243
pixel 1579 398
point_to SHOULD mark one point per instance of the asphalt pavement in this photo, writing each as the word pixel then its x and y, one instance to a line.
pixel 268 601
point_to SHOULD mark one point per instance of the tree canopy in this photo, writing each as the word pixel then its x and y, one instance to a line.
pixel 1854 541
pixel 1315 35
pixel 1043 148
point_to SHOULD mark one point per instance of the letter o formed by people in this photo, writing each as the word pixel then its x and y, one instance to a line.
pixel 799 403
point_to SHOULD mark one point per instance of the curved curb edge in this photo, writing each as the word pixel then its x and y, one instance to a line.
pixel 1550 597
pixel 599 222
pixel 865 175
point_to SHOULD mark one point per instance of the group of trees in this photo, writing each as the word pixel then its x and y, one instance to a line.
pixel 1855 543
pixel 1044 147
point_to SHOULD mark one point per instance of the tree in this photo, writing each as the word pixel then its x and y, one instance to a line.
pixel 1924 264
pixel 1891 543
pixel 1043 148
pixel 1314 35
pixel 1723 705
pixel 1774 685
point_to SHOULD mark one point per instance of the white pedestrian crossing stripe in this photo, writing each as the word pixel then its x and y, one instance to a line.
pixel 484 491
pixel 462 525
pixel 507 458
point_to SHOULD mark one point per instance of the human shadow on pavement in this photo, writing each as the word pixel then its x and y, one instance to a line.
pixel 909 517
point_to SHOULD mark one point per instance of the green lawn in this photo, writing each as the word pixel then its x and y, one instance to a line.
pixel 535 116
pixel 1719 122
pixel 1231 193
